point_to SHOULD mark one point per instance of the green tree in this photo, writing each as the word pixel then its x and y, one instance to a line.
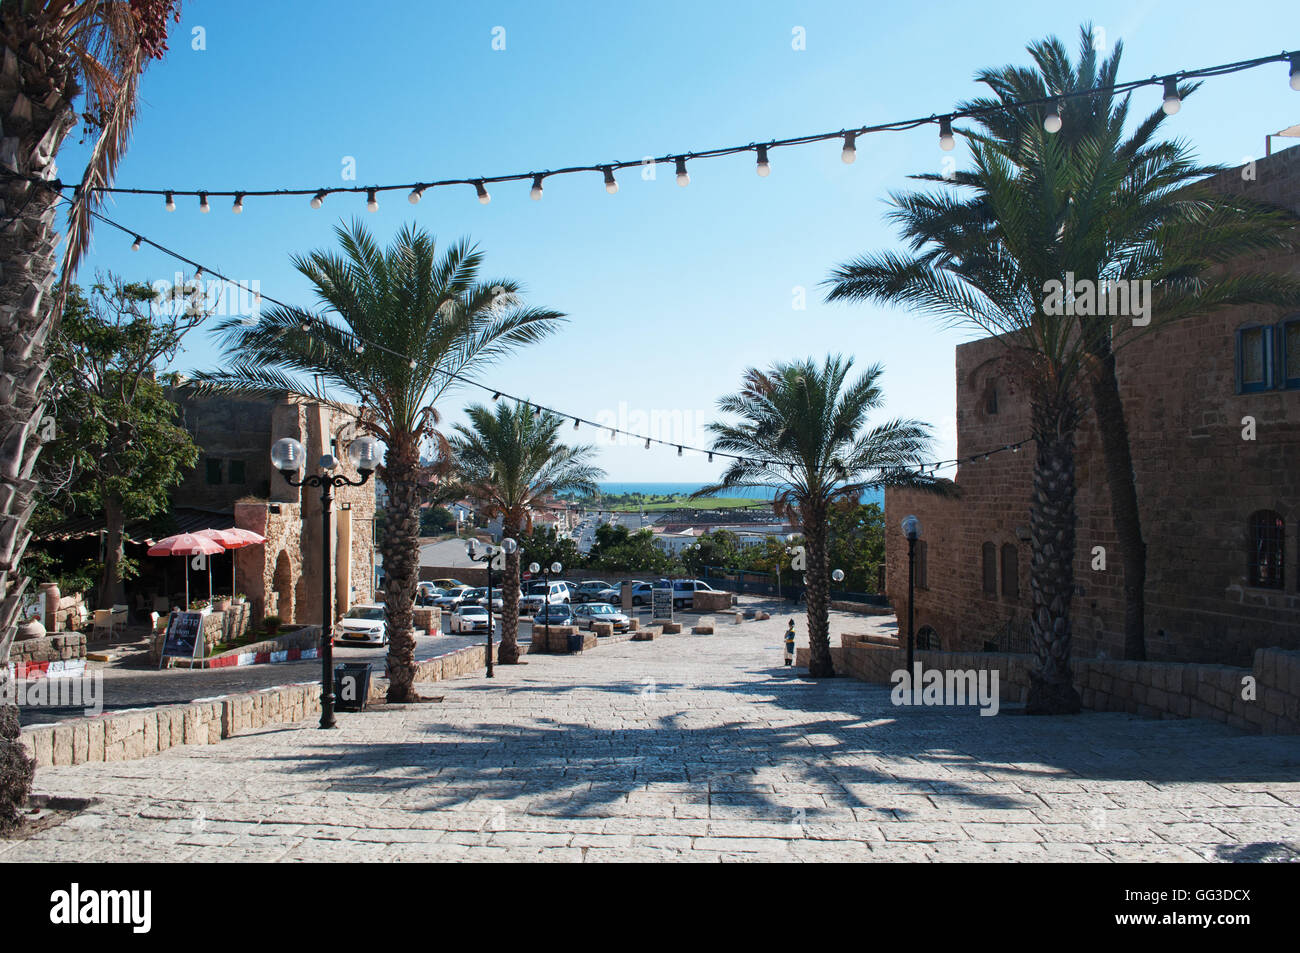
pixel 435 520
pixel 857 543
pixel 511 459
pixel 434 320
pixel 117 446
pixel 988 247
pixel 543 545
pixel 618 549
pixel 801 429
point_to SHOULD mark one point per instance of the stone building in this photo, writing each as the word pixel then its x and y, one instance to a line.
pixel 1213 409
pixel 284 577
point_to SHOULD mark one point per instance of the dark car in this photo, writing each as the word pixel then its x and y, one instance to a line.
pixel 554 614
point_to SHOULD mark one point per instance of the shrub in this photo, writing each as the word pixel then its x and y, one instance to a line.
pixel 16 770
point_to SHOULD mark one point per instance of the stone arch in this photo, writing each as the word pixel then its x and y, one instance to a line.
pixel 282 586
pixel 927 637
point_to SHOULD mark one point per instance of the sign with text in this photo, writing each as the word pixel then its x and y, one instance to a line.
pixel 184 637
pixel 662 604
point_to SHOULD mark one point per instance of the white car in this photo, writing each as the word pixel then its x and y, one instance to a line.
pixel 469 618
pixel 365 624
pixel 451 598
pixel 539 595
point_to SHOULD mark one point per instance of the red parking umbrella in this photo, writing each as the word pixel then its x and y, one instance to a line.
pixel 232 538
pixel 186 544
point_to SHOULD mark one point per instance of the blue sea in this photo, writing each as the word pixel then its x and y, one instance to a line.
pixel 674 489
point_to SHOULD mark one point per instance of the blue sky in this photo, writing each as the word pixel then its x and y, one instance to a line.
pixel 671 292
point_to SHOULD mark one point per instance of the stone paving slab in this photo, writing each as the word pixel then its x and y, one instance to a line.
pixel 690 748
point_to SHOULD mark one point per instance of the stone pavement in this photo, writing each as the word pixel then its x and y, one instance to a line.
pixel 690 748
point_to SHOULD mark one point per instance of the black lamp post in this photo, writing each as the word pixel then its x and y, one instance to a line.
pixel 490 553
pixel 534 569
pixel 288 456
pixel 912 530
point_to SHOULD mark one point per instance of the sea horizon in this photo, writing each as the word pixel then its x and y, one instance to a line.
pixel 652 488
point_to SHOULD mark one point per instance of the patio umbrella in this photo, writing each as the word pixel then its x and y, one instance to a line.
pixel 233 538
pixel 187 544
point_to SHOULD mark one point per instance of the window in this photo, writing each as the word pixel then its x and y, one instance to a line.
pixel 922 564
pixel 1010 572
pixel 1289 337
pixel 990 567
pixel 1267 549
pixel 1254 360
pixel 236 471
pixel 991 398
pixel 214 469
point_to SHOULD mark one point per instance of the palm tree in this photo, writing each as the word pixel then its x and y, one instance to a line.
pixel 1036 206
pixel 431 321
pixel 510 459
pixel 54 52
pixel 1150 192
pixel 801 432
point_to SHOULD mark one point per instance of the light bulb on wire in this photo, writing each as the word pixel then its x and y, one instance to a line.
pixel 135 245
pixel 372 203
pixel 318 199
pixel 1295 71
pixel 764 167
pixel 850 151
pixel 683 177
pixel 169 202
pixel 611 185
pixel 238 207
pixel 946 141
pixel 1052 121
pixel 1173 102
pixel 535 193
pixel 204 207
pixel 481 190
pixel 416 194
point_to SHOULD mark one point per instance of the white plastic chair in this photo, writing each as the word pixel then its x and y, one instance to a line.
pixel 104 622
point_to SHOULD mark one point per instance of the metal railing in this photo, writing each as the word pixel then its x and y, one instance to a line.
pixel 752 582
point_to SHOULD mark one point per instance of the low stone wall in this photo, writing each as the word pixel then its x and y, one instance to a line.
pixel 49 648
pixel 428 618
pixel 555 639
pixel 306 637
pixel 470 660
pixel 1149 689
pixel 861 608
pixel 130 735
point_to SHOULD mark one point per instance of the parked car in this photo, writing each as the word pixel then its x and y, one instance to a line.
pixel 448 583
pixel 451 599
pixel 684 592
pixel 365 624
pixel 469 618
pixel 557 613
pixel 585 615
pixel 540 594
pixel 589 590
pixel 640 594
pixel 478 596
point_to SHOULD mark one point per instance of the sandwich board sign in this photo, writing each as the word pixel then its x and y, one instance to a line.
pixel 184 638
pixel 661 601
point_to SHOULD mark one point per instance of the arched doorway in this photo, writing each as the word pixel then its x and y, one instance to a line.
pixel 282 584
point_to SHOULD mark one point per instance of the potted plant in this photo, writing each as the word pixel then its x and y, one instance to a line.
pixel 200 605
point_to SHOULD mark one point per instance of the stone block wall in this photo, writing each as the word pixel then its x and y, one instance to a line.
pixel 555 639
pixel 49 648
pixel 712 601
pixel 1149 689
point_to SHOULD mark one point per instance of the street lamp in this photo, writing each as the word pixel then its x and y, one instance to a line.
pixel 912 530
pixel 556 568
pixel 288 456
pixel 508 546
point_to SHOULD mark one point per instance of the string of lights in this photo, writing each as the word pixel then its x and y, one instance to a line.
pixel 360 345
pixel 1052 122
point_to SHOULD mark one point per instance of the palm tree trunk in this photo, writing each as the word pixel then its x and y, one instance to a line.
pixel 1117 459
pixel 1051 568
pixel 401 565
pixel 36 92
pixel 818 593
pixel 508 653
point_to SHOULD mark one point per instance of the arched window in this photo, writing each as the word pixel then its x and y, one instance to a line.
pixel 989 560
pixel 1010 572
pixel 991 397
pixel 1267 536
